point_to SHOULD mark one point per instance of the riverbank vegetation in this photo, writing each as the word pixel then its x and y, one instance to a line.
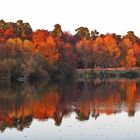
pixel 42 54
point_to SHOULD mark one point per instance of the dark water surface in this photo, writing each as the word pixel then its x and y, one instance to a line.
pixel 99 110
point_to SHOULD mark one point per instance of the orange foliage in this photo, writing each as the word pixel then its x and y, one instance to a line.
pixel 91 49
pixel 47 47
pixel 129 57
pixel 55 105
pixel 84 50
pixel 9 33
pixel 105 51
pixel 111 46
pixel 47 106
pixel 39 36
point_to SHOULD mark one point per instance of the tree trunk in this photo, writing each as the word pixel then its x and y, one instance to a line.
pixel 85 72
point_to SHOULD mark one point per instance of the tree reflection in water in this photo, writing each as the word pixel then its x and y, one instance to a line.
pixel 21 103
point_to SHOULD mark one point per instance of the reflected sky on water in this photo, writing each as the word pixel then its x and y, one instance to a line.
pixel 100 110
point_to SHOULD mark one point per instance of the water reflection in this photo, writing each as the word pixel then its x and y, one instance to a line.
pixel 21 103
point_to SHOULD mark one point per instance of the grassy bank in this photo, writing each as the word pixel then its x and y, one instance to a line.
pixel 107 73
pixel 91 74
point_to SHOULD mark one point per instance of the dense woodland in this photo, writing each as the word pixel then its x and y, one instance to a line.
pixel 57 54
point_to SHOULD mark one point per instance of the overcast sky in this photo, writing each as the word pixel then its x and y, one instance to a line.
pixel 104 15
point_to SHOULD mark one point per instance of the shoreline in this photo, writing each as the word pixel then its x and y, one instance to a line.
pixel 89 74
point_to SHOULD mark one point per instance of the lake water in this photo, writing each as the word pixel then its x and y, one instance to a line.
pixel 100 110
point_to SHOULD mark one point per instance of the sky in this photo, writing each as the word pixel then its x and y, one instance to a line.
pixel 106 16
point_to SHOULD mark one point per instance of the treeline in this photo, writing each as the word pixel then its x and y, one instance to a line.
pixel 56 54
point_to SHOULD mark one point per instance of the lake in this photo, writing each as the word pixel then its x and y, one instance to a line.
pixel 107 109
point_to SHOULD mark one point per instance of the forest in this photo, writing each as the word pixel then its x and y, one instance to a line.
pixel 56 54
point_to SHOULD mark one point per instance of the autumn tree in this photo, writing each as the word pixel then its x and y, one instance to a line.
pixel 82 32
pixel 98 49
pixel 58 52
pixel 69 38
pixel 34 67
pixel 14 30
pixel 111 50
pixel 105 51
pixel 57 32
pixel 84 51
pixel 39 36
pixel 136 49
pixel 117 37
pixel 67 60
pixel 130 35
pixel 23 29
pixel 127 58
pixel 46 46
pixel 94 34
